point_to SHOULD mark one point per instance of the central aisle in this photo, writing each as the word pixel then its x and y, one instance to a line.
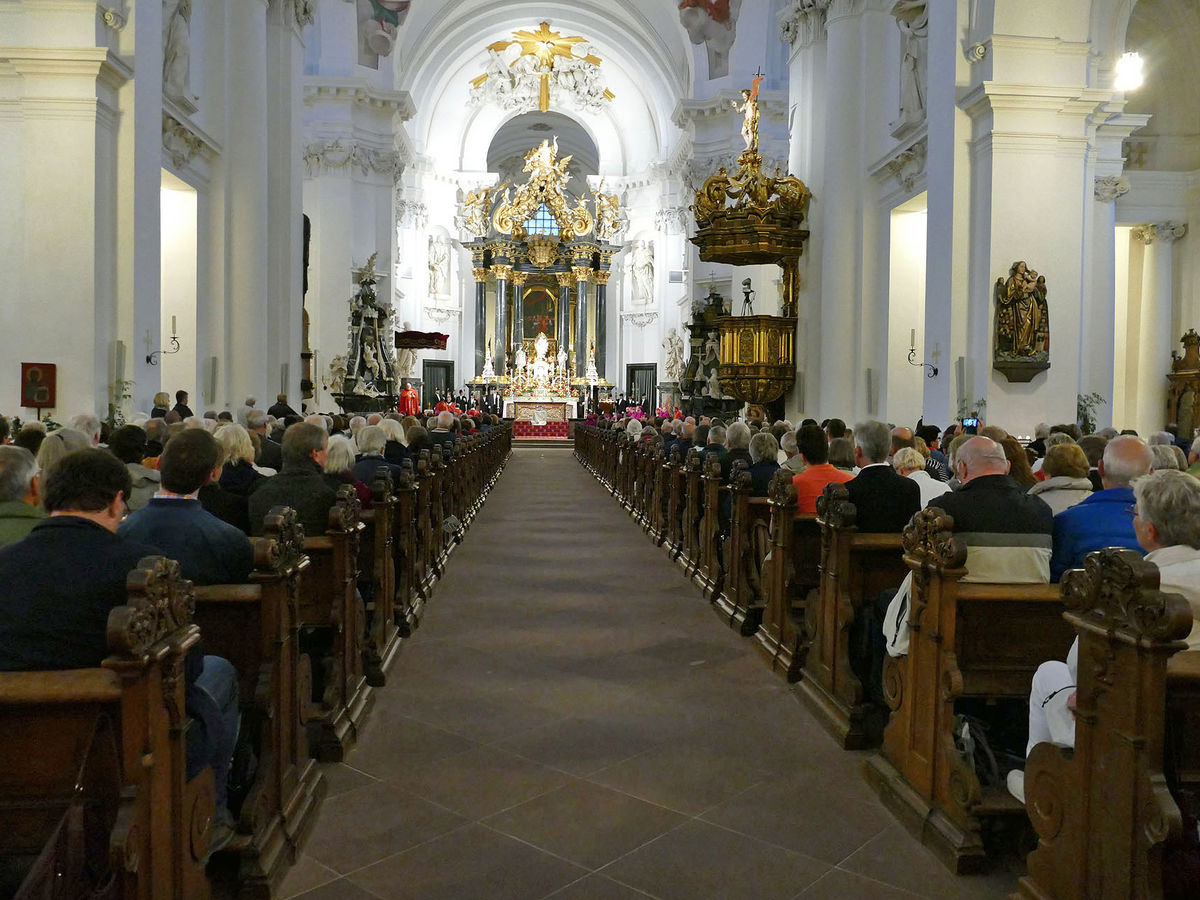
pixel 572 720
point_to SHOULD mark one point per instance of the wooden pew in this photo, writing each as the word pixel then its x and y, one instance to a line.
pixel 676 512
pixel 686 481
pixel 410 588
pixel 853 569
pixel 377 565
pixel 255 626
pixel 661 499
pixel 791 574
pixel 1103 812
pixel 329 605
pixel 424 568
pixel 130 714
pixel 743 598
pixel 710 573
pixel 966 640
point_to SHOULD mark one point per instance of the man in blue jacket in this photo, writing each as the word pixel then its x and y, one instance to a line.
pixel 1105 519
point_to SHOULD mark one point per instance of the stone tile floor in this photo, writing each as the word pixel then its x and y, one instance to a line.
pixel 572 721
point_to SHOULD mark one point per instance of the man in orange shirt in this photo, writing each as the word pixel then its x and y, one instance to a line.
pixel 814 449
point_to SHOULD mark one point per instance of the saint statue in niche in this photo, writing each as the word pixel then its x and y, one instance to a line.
pixel 177 26
pixel 1022 320
pixel 912 18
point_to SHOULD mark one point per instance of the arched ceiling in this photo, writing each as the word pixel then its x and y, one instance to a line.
pixel 1166 33
pixel 646 62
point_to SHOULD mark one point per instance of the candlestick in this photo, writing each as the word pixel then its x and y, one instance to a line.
pixel 912 337
pixel 173 331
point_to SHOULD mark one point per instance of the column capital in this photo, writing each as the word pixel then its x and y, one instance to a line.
pixel 565 279
pixel 1108 188
pixel 1165 232
pixel 501 272
pixel 802 23
pixel 481 274
pixel 581 273
pixel 602 276
pixel 519 278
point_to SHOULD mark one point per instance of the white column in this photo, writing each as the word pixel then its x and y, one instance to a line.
pixel 284 286
pixel 1154 351
pixel 246 151
pixel 1097 324
pixel 841 286
pixel 803 27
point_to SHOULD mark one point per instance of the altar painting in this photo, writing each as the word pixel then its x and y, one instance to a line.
pixel 539 313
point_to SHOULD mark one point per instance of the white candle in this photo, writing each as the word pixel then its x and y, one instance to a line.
pixel 912 338
pixel 173 331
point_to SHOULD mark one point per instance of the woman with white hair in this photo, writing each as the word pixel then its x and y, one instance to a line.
pixel 56 446
pixel 909 462
pixel 395 448
pixel 238 474
pixel 339 468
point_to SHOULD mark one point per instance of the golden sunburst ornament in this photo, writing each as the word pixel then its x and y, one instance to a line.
pixel 545 46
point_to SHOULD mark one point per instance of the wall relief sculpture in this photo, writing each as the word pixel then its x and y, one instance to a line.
pixel 439 266
pixel 1022 342
pixel 712 23
pixel 641 271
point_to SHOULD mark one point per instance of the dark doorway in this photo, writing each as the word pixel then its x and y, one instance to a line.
pixel 641 379
pixel 437 376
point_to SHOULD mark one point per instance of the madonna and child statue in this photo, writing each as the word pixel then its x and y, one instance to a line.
pixel 1022 347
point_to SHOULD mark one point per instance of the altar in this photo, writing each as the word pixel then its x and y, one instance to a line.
pixel 539 411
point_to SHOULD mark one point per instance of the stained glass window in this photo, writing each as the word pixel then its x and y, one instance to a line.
pixel 542 222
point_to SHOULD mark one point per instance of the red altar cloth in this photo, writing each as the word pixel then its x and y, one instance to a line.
pixel 523 428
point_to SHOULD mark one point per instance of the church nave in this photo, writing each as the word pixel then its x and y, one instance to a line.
pixel 571 720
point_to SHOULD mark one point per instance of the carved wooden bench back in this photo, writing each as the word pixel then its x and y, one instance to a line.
pixel 160 822
pixel 1103 812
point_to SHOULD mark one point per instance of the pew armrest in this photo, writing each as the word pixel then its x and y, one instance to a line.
pixel 65 686
pixel 229 593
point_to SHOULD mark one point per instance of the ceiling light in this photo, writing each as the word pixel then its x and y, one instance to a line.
pixel 1129 72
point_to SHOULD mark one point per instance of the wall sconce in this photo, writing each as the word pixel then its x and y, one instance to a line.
pixel 152 358
pixel 931 370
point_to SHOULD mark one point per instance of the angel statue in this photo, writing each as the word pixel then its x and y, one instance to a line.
pixel 607 217
pixel 477 208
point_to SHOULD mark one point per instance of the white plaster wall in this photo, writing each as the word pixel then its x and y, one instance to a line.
pixel 903 384
pixel 178 291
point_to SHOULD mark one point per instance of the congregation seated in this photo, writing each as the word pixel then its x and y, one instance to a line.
pixel 301 482
pixel 128 444
pixel 339 469
pixel 19 494
pixel 160 408
pixel 30 437
pixel 789 448
pixel 239 475
pixel 1018 462
pixel 371 440
pixel 817 470
pixel 395 448
pixel 1067 482
pixel 763 466
pixel 1168 456
pixel 841 455
pixel 208 550
pixel 884 500
pixel 269 453
pixel 418 439
pixel 61 581
pixel 58 445
pixel 737 447
pixel 937 464
pixel 444 431
pixel 1167 523
pixel 280 409
pixel 909 462
pixel 1103 519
